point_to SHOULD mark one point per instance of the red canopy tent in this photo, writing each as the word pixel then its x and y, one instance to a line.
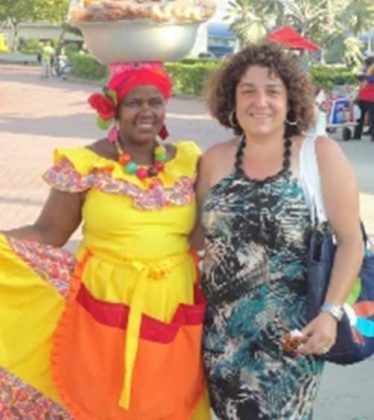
pixel 290 38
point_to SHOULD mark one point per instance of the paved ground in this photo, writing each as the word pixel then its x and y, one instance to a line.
pixel 36 116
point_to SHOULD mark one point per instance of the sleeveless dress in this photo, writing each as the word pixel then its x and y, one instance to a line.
pixel 255 284
pixel 113 331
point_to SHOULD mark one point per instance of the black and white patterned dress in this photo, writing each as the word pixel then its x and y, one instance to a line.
pixel 255 284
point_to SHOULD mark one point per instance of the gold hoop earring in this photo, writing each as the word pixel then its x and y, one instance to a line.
pixel 232 119
pixel 291 123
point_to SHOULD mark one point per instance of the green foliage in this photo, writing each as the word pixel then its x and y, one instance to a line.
pixel 357 16
pixel 55 42
pixel 327 77
pixel 353 56
pixel 71 48
pixel 16 11
pixel 31 10
pixel 191 60
pixel 335 49
pixel 323 21
pixel 249 19
pixel 54 11
pixel 190 78
pixel 308 17
pixel 86 67
pixel 29 46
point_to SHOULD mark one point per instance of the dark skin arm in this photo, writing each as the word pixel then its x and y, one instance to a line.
pixel 61 214
pixel 59 218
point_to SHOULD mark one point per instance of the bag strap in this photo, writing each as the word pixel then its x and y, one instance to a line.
pixel 310 178
pixel 311 183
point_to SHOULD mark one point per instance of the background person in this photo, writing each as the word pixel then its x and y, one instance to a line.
pixel 47 55
pixel 365 101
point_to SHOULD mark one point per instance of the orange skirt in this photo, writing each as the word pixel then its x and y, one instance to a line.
pixel 88 364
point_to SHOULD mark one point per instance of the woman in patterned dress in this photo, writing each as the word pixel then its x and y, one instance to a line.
pixel 257 224
pixel 114 331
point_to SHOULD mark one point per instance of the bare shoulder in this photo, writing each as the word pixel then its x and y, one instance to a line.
pixel 334 165
pixel 329 151
pixel 220 151
pixel 217 162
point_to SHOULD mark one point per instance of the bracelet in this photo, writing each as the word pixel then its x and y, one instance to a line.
pixel 335 310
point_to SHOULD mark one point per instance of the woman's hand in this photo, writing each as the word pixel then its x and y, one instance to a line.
pixel 320 334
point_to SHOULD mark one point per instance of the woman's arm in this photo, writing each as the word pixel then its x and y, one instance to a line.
pixel 201 189
pixel 59 218
pixel 341 200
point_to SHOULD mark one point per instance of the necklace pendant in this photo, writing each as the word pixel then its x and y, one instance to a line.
pixel 159 166
pixel 142 173
pixel 160 153
pixel 130 168
pixel 152 171
pixel 146 174
pixel 124 159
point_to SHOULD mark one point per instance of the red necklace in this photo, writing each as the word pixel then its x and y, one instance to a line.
pixel 142 172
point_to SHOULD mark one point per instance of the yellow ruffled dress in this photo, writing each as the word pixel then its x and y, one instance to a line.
pixel 112 332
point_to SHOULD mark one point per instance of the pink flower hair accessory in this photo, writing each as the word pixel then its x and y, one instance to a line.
pixel 105 105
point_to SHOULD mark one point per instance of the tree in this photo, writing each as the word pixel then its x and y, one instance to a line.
pixel 358 16
pixel 353 57
pixel 307 16
pixel 13 12
pixel 16 11
pixel 252 19
pixel 316 19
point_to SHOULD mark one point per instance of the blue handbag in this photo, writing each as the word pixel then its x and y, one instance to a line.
pixel 355 335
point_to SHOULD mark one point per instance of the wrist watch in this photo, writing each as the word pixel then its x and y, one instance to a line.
pixel 335 310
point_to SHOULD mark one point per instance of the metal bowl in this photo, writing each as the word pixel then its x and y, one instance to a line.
pixel 138 40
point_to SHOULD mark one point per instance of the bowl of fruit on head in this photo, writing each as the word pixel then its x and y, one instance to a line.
pixel 139 30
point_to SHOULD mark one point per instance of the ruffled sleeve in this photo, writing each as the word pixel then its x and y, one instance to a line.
pixel 73 169
pixel 184 164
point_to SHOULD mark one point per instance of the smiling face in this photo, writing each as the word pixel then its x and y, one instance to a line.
pixel 261 102
pixel 142 114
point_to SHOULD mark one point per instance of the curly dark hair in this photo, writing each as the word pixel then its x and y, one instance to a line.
pixel 220 90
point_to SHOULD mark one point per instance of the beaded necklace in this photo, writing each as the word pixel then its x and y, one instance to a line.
pixel 286 157
pixel 129 166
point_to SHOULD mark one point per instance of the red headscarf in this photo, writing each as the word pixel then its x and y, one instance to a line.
pixel 126 76
pixel 123 78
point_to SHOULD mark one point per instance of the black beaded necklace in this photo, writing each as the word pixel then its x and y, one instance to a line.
pixel 286 157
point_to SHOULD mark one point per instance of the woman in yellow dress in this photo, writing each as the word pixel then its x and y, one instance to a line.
pixel 113 331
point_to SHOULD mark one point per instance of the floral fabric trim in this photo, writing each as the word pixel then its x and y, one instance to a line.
pixel 64 176
pixel 55 265
pixel 21 401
